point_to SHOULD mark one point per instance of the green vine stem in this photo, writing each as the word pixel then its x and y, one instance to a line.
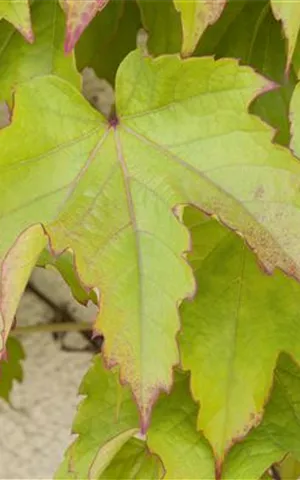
pixel 52 328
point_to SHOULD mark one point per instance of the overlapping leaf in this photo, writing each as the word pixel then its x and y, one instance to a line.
pixel 173 436
pixel 196 15
pixel 79 14
pixel 248 31
pixel 107 191
pixel 289 13
pixel 239 310
pixel 21 61
pixel 64 264
pixel 279 432
pixel 10 367
pixel 17 13
pixel 106 421
pixel 155 16
pixel 109 38
pixel 134 461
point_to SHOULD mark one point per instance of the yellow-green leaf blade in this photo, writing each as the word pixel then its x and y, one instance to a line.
pixel 15 268
pixel 117 183
pixel 173 436
pixel 196 15
pixel 109 38
pixel 289 13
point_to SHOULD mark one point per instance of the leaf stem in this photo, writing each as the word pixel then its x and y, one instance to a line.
pixel 52 328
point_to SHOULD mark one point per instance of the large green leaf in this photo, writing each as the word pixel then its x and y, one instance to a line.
pixel 289 13
pixel 249 32
pixel 109 38
pixel 239 310
pixel 10 367
pixel 17 13
pixel 173 436
pixel 107 191
pixel 79 14
pixel 279 432
pixel 163 25
pixel 196 16
pixel 21 61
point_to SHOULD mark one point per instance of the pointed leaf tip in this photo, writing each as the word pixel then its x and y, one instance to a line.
pixel 79 14
pixel 288 12
pixel 196 16
pixel 18 14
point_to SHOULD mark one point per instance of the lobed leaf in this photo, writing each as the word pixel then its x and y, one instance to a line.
pixel 79 14
pixel 11 367
pixel 15 268
pixel 21 62
pixel 196 15
pixel 108 190
pixel 239 310
pixel 18 14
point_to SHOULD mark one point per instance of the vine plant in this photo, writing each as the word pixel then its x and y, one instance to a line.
pixel 179 215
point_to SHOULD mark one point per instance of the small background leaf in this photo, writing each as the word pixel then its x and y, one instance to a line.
pixel 11 367
pixel 289 13
pixel 195 17
pixel 18 14
pixel 79 14
pixel 109 38
pixel 163 24
pixel 21 62
pixel 249 32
